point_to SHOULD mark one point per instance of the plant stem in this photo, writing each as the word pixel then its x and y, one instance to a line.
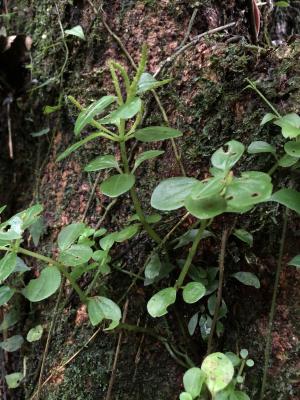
pixel 273 307
pixel 254 87
pixel 135 200
pixel 60 266
pixel 191 254
pixel 220 289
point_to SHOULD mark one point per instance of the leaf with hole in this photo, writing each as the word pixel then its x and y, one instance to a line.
pixel 76 31
pixel 247 278
pixel 193 380
pixel 7 265
pixel 192 292
pixel 292 148
pixel 156 133
pixel 86 116
pixel 100 308
pixel 77 254
pixel 261 147
pixel 6 293
pixel 205 208
pixel 158 304
pixel 289 198
pixel 77 145
pixel 102 162
pixel 13 343
pixel 147 155
pixel 44 286
pixel 34 334
pixel 295 262
pixel 170 193
pixel 148 82
pixel 29 216
pixel 244 236
pixel 226 159
pixel 219 372
pixel 13 380
pixel 69 234
pixel 117 185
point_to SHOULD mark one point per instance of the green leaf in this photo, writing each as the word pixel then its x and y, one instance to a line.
pixel 289 198
pixel 10 319
pixel 69 234
pixel 2 209
pixel 44 286
pixel 292 148
pixel 244 353
pixel 185 396
pixel 7 265
pixel 287 161
pixel 233 358
pixel 148 82
pixel 6 293
pixel 147 155
pixel 51 109
pixel 205 326
pixel 13 380
pixel 205 208
pixel 208 188
pixel 10 234
pixel 219 372
pixel 158 304
pixel 76 31
pixel 226 159
pixel 238 395
pixel 250 363
pixel 192 325
pixel 35 334
pixel 37 229
pixel 251 188
pixel 193 381
pixel 153 267
pixel 261 147
pixel 117 185
pixel 21 266
pixel 77 145
pixel 102 162
pixel 289 126
pixel 267 118
pixel 126 233
pixel 77 254
pixel 193 292
pixel 295 262
pixel 40 133
pixel 189 236
pixel 170 193
pixel 86 116
pixel 244 235
pixel 156 133
pixel 125 111
pixel 30 215
pixel 151 219
pixel 12 344
pixel 247 278
pixel 100 308
pixel 281 4
pixel 100 232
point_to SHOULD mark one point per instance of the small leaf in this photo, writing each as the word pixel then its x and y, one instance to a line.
pixel 30 215
pixel 238 395
pixel 287 161
pixel 261 147
pixel 247 278
pixel 158 304
pixel 219 372
pixel 148 82
pixel 193 292
pixel 281 4
pixel 51 109
pixel 244 353
pixel 117 185
pixel 288 128
pixel 267 118
pixel 77 145
pixel 100 308
pixel 292 148
pixel 40 133
pixel 244 235
pixel 37 229
pixel 12 344
pixel 170 193
pixel 7 265
pixel 86 116
pixel 226 159
pixel 233 358
pixel 151 219
pixel 102 162
pixel 125 111
pixel 13 380
pixel 126 233
pixel 44 286
pixel 147 155
pixel 193 381
pixel 295 262
pixel 156 133
pixel 205 326
pixel 185 396
pixel 193 322
pixel 21 266
pixel 289 198
pixel 69 234
pixel 35 333
pixel 6 293
pixel 250 363
pixel 10 319
pixel 153 267
pixel 76 31
pixel 189 236
pixel 77 254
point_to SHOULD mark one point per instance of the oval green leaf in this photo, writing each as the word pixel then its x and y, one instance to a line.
pixel 148 82
pixel 76 31
pixel 158 304
pixel 69 234
pixel 193 381
pixel 77 145
pixel 287 161
pixel 147 155
pixel 247 278
pixel 77 254
pixel 219 372
pixel 156 133
pixel 244 235
pixel 117 185
pixel 226 159
pixel 295 262
pixel 193 292
pixel 205 208
pixel 170 193
pixel 6 293
pixel 44 286
pixel 7 265
pixel 12 344
pixel 35 334
pixel 261 147
pixel 100 308
pixel 185 396
pixel 102 162
pixel 289 198
pixel 13 380
pixel 125 111
pixel 292 148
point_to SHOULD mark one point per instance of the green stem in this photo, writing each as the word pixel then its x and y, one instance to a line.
pixel 134 197
pixel 254 87
pixel 191 255
pixel 273 307
pixel 49 260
